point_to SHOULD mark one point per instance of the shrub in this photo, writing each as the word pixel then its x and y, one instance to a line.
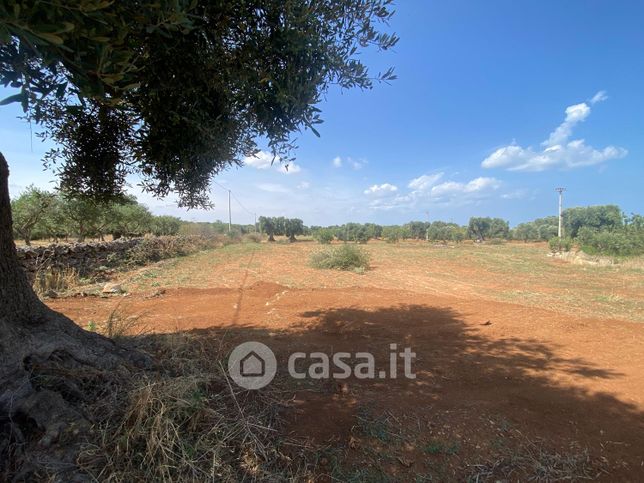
pixel 615 243
pixel 560 244
pixel 153 249
pixel 252 238
pixel 344 257
pixel 495 241
pixel 324 236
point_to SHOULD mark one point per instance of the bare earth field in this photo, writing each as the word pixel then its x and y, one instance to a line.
pixel 527 366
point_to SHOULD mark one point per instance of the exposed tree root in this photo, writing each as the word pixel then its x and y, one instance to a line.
pixel 48 372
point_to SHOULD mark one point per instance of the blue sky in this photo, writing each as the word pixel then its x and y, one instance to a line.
pixel 496 104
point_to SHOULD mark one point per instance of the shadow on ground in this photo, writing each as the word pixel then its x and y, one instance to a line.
pixel 479 407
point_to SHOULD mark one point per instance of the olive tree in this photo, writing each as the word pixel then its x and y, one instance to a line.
pixel 29 210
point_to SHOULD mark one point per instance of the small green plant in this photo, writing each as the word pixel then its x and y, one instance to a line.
pixel 558 245
pixel 91 326
pixel 344 257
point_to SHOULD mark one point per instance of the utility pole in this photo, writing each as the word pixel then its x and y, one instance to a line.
pixel 255 222
pixel 230 217
pixel 560 191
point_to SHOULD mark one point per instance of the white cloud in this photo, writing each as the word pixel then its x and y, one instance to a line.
pixel 599 97
pixel 304 185
pixel 448 193
pixel 273 188
pixel 261 160
pixel 265 160
pixel 574 115
pixel 381 189
pixel 290 168
pixel 557 150
pixel 425 181
pixel 453 188
pixel 515 195
pixel 355 164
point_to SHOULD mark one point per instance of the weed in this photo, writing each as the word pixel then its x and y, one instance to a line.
pixel 187 422
pixel 54 280
pixel 119 324
pixel 374 427
pixel 344 257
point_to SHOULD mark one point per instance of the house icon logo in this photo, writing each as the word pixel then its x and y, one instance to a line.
pixel 252 365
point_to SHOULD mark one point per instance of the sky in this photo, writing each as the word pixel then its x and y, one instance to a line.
pixel 496 104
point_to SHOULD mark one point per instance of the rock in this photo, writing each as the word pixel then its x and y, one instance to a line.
pixel 112 288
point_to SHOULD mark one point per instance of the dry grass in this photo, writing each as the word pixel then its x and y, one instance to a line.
pixel 119 324
pixel 533 461
pixel 187 422
pixel 53 281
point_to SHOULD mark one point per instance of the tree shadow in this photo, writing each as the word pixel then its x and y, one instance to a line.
pixel 465 381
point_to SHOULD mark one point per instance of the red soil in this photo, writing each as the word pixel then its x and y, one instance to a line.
pixel 488 373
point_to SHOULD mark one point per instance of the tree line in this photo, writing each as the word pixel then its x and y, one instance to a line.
pixel 40 214
pixel 603 229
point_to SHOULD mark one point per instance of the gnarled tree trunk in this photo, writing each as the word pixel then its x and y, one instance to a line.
pixel 40 352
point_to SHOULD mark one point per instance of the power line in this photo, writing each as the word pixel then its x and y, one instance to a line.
pixel 230 193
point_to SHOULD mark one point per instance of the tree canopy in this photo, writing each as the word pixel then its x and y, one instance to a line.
pixel 178 90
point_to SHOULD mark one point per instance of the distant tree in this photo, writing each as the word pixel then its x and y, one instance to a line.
pixel 525 232
pixel 267 225
pixel 30 209
pixel 417 229
pixel 478 227
pixel 131 219
pixel 499 228
pixel 391 234
pixel 166 225
pixel 458 234
pixel 373 230
pixel 442 231
pixel 481 228
pixel 81 216
pixel 54 224
pixel 323 235
pixel 292 228
pixel 605 217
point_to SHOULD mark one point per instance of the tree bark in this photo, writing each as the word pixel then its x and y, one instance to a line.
pixel 17 299
pixel 37 346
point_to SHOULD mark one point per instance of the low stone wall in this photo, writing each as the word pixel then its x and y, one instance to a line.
pixel 93 259
pixel 84 258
